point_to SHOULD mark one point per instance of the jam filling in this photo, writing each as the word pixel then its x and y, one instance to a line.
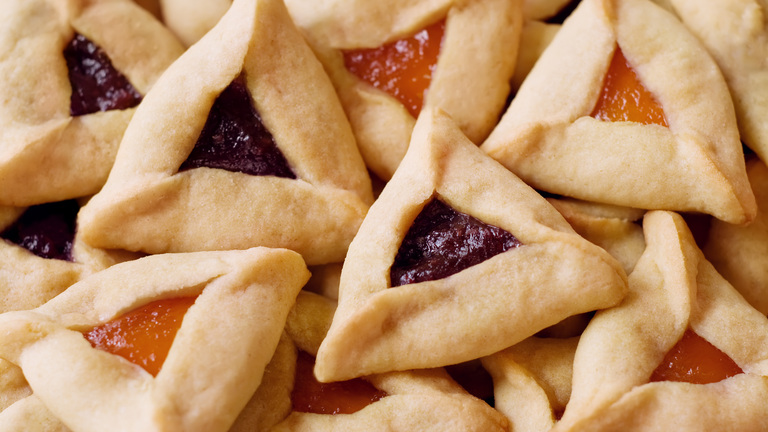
pixel 402 68
pixel 46 230
pixel 694 360
pixel 235 139
pixel 344 397
pixel 442 242
pixel 145 335
pixel 624 98
pixel 96 84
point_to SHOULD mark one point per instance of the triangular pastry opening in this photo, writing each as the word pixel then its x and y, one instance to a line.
pixel 297 103
pixel 342 397
pixel 46 230
pixel 551 137
pixel 235 139
pixel 402 68
pixel 143 336
pixel 695 360
pixel 241 300
pixel 96 84
pixel 443 241
pixel 504 298
pixel 625 98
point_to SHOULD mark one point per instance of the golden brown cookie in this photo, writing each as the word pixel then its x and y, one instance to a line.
pixel 645 364
pixel 618 230
pixel 534 39
pixel 425 400
pixel 734 33
pixel 475 43
pixel 739 253
pixel 396 313
pixel 302 184
pixel 532 381
pixel 81 343
pixel 41 254
pixel 567 131
pixel 192 19
pixel 60 141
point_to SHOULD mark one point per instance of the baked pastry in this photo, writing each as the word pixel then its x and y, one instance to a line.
pixel 241 143
pixel 192 19
pixel 739 253
pixel 407 302
pixel 734 33
pixel 418 400
pixel 72 72
pixel 532 381
pixel 705 346
pixel 41 254
pixel 618 230
pixel 541 10
pixel 460 56
pixel 101 339
pixel 534 39
pixel 30 415
pixel 572 130
pixel 152 6
pixel 325 280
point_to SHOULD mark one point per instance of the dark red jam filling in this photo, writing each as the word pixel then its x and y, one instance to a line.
pixel 343 397
pixel 96 84
pixel 235 139
pixel 46 230
pixel 442 242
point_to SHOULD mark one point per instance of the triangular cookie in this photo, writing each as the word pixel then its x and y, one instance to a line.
pixel 52 149
pixel 735 34
pixel 532 381
pixel 615 229
pixel 549 136
pixel 41 254
pixel 237 300
pixel 552 274
pixel 426 400
pixel 157 201
pixel 475 44
pixel 190 20
pixel 674 291
pixel 740 253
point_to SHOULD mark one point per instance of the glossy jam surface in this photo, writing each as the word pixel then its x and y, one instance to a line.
pixel 402 68
pixel 694 360
pixel 344 397
pixel 143 336
pixel 235 139
pixel 46 230
pixel 624 98
pixel 96 84
pixel 442 242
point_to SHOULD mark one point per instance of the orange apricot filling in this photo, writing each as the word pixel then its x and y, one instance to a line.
pixel 624 98
pixel 402 68
pixel 694 360
pixel 345 397
pixel 144 335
